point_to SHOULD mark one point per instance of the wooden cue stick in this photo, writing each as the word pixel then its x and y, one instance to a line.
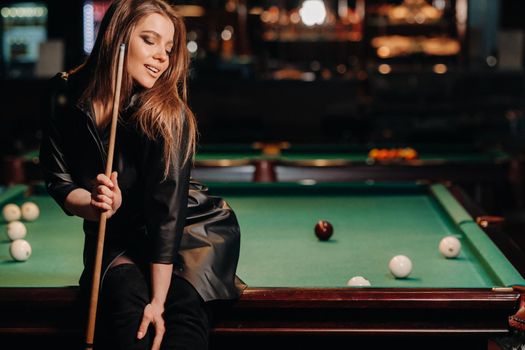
pixel 103 217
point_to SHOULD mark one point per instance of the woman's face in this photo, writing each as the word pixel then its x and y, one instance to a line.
pixel 149 49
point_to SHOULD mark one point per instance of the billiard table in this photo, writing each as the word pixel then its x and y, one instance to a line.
pixel 242 163
pixel 485 174
pixel 296 283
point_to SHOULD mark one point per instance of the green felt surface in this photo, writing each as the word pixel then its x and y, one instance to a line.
pixel 354 157
pixel 56 241
pixel 468 156
pixel 244 152
pixel 31 155
pixel 363 156
pixel 279 248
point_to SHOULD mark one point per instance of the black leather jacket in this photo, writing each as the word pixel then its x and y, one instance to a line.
pixel 153 224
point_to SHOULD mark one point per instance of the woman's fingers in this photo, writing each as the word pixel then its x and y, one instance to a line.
pixel 103 199
pixel 104 190
pixel 105 194
pixel 144 324
pixel 100 205
pixel 104 180
pixel 159 334
pixel 152 316
pixel 114 180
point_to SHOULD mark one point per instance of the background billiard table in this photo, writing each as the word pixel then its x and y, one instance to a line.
pixel 486 174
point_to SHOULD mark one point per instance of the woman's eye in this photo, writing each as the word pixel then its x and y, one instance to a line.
pixel 147 41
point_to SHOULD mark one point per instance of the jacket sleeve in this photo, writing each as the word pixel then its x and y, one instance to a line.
pixel 165 202
pixel 57 176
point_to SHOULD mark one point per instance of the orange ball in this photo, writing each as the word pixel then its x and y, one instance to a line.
pixel 411 154
pixel 382 154
pixel 392 153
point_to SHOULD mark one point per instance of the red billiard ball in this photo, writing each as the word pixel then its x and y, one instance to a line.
pixel 323 230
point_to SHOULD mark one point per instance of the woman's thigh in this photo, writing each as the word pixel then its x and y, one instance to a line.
pixel 187 318
pixel 124 294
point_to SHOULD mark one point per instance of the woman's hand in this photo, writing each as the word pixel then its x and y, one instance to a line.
pixel 153 315
pixel 106 195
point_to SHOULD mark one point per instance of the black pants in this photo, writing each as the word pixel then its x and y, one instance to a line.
pixel 123 296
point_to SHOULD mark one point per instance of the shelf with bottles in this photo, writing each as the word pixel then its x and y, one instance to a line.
pixel 414 13
pixel 277 40
pixel 415 28
pixel 309 21
pixel 309 40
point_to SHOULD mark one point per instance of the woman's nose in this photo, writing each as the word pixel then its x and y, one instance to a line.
pixel 161 55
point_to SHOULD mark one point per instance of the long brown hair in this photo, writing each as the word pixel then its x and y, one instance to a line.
pixel 163 110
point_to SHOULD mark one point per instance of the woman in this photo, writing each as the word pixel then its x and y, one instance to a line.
pixel 157 217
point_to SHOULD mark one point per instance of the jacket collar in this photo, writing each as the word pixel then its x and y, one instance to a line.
pixel 76 85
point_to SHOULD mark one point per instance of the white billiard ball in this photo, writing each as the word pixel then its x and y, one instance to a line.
pixel 11 212
pixel 358 281
pixel 400 266
pixel 16 230
pixel 450 247
pixel 20 250
pixel 30 211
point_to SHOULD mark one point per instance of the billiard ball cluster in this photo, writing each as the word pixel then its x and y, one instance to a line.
pixel 29 211
pixel 20 249
pixel 400 265
pixel 406 153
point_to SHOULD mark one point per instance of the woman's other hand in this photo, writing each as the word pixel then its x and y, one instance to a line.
pixel 153 315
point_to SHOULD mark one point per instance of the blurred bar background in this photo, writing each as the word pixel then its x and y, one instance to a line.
pixel 444 75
